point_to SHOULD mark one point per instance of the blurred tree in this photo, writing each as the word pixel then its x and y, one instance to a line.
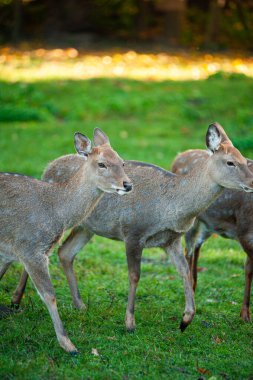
pixel 17 20
pixel 174 12
pixel 213 23
pixel 216 24
pixel 144 15
pixel 210 23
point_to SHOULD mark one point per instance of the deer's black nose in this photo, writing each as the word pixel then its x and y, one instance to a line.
pixel 128 186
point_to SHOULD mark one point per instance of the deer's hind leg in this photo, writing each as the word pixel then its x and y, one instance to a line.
pixel 175 251
pixel 246 241
pixel 245 310
pixel 3 267
pixel 78 238
pixel 19 291
pixel 194 238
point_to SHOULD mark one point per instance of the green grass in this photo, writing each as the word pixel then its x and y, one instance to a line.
pixel 145 121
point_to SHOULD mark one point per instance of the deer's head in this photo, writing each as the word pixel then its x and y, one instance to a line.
pixel 106 167
pixel 228 167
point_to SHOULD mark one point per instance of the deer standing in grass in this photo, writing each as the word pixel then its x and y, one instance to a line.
pixel 34 214
pixel 161 209
pixel 230 216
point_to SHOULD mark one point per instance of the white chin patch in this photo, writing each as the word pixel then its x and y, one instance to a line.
pixel 247 189
pixel 121 192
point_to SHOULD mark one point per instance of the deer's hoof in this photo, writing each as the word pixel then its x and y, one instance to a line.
pixel 245 315
pixel 130 330
pixel 183 326
pixel 74 353
pixel 81 307
pixel 78 304
pixel 14 305
pixel 130 322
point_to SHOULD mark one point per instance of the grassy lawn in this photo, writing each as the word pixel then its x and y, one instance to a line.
pixel 148 121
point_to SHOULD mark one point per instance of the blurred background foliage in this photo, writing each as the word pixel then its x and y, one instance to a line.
pixel 146 120
pixel 209 24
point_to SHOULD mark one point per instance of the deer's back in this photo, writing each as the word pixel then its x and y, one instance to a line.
pixel 139 214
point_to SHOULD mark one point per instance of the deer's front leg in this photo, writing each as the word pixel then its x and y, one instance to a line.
pixel 133 252
pixel 38 271
pixel 176 253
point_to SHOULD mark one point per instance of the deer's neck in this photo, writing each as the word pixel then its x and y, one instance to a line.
pixel 196 190
pixel 76 198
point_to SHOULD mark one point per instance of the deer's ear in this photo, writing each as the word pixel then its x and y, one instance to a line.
pixel 213 138
pixel 99 137
pixel 216 136
pixel 82 144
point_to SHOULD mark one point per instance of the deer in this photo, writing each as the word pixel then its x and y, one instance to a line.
pixel 162 207
pixel 229 216
pixel 35 213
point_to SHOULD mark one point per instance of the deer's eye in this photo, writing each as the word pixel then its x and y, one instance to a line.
pixel 230 163
pixel 123 164
pixel 101 165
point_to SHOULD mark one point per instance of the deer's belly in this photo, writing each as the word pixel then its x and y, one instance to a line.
pixel 226 233
pixel 161 239
pixel 6 253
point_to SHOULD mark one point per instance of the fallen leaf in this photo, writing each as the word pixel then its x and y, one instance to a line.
pixel 210 300
pixel 217 339
pixel 94 352
pixel 201 269
pixel 173 318
pixel 203 371
pixel 111 338
pixel 185 131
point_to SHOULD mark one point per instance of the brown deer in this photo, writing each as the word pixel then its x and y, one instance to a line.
pixel 230 216
pixel 162 207
pixel 34 214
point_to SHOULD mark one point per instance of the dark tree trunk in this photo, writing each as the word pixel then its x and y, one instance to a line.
pixel 143 17
pixel 213 24
pixel 17 21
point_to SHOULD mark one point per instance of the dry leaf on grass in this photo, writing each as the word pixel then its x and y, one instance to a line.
pixel 111 338
pixel 201 269
pixel 217 340
pixel 201 370
pixel 94 352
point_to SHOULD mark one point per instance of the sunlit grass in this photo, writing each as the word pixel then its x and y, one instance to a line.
pixel 69 63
